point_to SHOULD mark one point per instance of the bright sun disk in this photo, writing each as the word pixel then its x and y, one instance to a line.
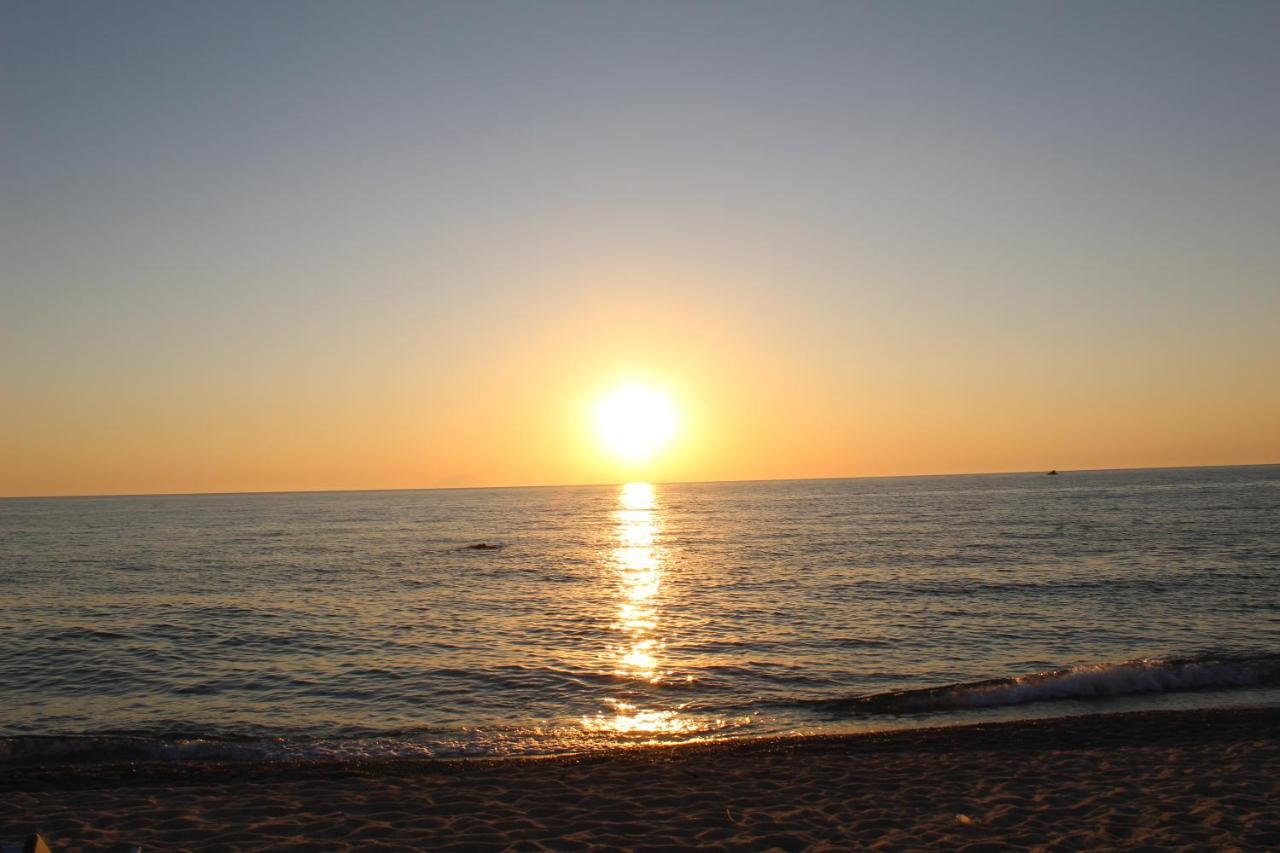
pixel 635 422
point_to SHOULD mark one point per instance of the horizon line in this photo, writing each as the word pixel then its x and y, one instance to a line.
pixel 618 483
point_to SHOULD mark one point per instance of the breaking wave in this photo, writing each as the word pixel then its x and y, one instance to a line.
pixel 1092 681
pixel 1086 682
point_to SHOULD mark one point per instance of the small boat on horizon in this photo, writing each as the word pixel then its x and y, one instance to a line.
pixel 1052 473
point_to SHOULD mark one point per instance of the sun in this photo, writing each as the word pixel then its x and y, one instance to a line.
pixel 635 422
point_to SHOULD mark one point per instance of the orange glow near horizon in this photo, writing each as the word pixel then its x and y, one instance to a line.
pixel 623 390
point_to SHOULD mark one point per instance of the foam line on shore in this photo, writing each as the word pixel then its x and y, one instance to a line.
pixel 1092 681
pixel 1091 731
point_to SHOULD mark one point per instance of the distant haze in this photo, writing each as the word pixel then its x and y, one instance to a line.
pixel 276 246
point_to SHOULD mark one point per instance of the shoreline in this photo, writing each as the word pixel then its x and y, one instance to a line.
pixel 1209 777
pixel 1153 727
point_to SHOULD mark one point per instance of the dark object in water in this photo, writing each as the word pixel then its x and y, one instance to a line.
pixel 483 546
pixel 1053 473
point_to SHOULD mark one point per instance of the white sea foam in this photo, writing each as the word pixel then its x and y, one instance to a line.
pixel 1092 681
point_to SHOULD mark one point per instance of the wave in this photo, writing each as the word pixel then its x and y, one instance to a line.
pixel 44 749
pixel 593 734
pixel 117 747
pixel 1092 681
pixel 181 743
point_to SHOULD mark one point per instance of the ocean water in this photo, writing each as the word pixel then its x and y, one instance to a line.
pixel 366 624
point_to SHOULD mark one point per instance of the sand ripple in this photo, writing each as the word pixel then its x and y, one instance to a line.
pixel 1177 780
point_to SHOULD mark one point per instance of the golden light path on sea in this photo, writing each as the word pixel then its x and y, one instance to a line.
pixel 638 656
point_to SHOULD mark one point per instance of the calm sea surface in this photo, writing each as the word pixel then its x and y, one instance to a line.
pixel 367 623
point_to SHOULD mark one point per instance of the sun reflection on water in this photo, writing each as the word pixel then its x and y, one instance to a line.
pixel 637 496
pixel 627 719
pixel 639 577
pixel 638 567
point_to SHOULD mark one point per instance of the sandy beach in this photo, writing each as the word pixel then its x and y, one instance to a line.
pixel 1152 780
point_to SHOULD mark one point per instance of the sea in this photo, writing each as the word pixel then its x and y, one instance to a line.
pixel 531 621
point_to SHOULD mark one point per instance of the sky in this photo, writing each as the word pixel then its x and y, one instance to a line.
pixel 312 245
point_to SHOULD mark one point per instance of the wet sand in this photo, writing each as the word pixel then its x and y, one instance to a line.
pixel 1206 779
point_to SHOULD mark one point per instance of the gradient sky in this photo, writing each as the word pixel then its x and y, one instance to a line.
pixel 272 245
